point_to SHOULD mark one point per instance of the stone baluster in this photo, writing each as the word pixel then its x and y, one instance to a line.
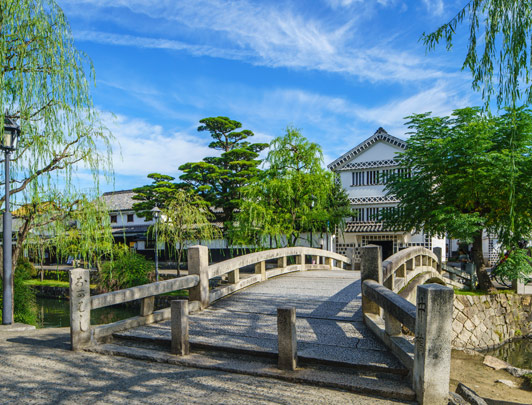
pixel 234 276
pixel 260 268
pixel 147 306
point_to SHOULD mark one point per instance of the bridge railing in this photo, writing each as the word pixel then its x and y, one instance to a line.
pixel 398 269
pixel 428 356
pixel 197 282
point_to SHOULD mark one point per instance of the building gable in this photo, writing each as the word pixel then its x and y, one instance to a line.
pixel 376 151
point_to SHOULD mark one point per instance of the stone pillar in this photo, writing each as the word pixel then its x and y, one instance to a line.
pixel 179 327
pixel 438 252
pixel 300 259
pixel 234 276
pixel 370 269
pixel 287 338
pixel 329 262
pixel 260 268
pixel 432 352
pixel 146 306
pixel 350 252
pixel 198 263
pixel 470 269
pixel 281 262
pixel 80 308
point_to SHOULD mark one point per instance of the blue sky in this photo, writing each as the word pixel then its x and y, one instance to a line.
pixel 336 69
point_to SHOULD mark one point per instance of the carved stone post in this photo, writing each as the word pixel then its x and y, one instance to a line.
pixel 432 352
pixel 80 308
pixel 198 263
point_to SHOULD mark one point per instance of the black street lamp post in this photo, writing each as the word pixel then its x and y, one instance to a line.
pixel 156 212
pixel 9 144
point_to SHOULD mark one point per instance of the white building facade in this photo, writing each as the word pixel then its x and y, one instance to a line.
pixel 363 172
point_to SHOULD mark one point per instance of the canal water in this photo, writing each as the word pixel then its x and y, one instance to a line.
pixel 517 352
pixel 54 313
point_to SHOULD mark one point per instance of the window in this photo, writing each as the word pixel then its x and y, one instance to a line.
pixel 373 177
pixel 113 219
pixel 129 217
pixel 358 178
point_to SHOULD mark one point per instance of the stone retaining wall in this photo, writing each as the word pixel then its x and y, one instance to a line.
pixel 486 321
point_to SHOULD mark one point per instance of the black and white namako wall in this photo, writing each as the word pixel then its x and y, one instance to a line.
pixel 363 172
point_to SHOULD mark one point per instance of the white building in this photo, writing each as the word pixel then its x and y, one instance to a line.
pixel 363 171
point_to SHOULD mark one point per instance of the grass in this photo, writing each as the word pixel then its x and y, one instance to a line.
pixel 34 282
pixel 179 293
pixel 477 292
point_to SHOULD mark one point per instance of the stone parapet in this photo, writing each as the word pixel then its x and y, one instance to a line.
pixel 486 321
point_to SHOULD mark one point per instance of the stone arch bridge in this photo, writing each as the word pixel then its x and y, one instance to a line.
pixel 346 319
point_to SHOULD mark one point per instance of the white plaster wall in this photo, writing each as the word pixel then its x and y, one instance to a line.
pixel 121 219
pixel 438 242
pixel 378 151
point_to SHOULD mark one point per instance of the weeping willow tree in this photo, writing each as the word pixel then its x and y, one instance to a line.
pixel 185 219
pixel 45 87
pixel 499 58
pixel 294 195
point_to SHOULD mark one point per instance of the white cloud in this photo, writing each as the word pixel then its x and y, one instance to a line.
pixel 145 148
pixel 261 34
pixel 435 7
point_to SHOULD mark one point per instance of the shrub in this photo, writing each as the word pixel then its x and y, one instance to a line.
pixel 126 269
pixel 24 265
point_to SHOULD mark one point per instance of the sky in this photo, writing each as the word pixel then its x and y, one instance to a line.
pixel 335 69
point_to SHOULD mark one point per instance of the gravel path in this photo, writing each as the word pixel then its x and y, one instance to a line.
pixel 37 367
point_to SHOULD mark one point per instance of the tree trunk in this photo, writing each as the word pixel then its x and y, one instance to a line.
pixel 484 282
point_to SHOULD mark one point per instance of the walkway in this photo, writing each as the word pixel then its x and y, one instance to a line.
pixel 329 321
pixel 38 367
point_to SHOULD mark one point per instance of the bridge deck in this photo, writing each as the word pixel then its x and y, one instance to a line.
pixel 329 320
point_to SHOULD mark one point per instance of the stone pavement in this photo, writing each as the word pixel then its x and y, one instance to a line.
pixel 329 321
pixel 38 367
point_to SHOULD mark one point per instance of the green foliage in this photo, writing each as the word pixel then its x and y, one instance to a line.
pixel 126 269
pixel 185 219
pixel 159 193
pixel 45 89
pixel 25 266
pixel 517 265
pixel 500 39
pixel 458 178
pixel 85 233
pixel 294 195
pixel 219 179
pixel 25 307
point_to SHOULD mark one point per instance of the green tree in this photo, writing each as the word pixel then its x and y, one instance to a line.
pixel 294 195
pixel 218 179
pixel 185 220
pixel 44 87
pixel 457 182
pixel 160 193
pixel 499 58
pixel 500 39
